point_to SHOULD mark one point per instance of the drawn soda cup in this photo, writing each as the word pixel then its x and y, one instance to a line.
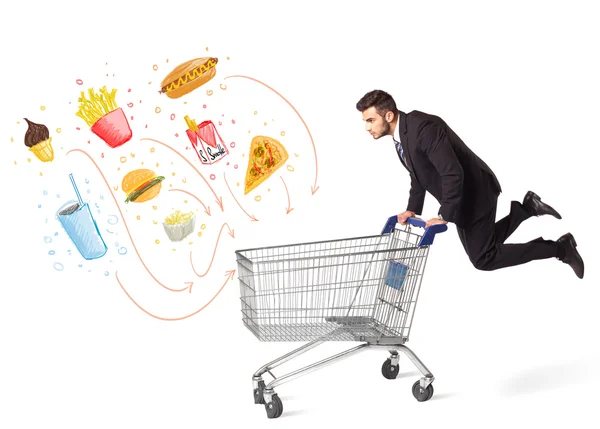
pixel 77 220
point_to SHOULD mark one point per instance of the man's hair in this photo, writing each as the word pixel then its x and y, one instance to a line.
pixel 381 100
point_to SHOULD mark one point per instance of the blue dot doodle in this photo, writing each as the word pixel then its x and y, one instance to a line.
pixel 112 219
pixel 87 181
pixel 45 192
pixel 39 206
pixel 57 195
pixel 58 266
pixel 122 251
pixel 55 234
pixel 47 239
pixel 51 252
pixel 101 196
pixel 80 265
pixel 106 273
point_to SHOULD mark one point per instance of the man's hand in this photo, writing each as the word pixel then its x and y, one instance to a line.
pixel 434 221
pixel 402 217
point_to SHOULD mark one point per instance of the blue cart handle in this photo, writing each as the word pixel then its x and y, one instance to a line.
pixel 428 235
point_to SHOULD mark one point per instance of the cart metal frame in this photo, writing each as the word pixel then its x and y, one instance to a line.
pixel 361 289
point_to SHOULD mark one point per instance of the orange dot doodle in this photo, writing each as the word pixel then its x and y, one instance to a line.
pixel 209 92
pixel 155 67
pixel 290 168
pixel 157 110
pixel 223 86
pixel 123 160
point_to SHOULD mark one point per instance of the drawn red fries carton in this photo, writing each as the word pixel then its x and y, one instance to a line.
pixel 104 117
pixel 206 141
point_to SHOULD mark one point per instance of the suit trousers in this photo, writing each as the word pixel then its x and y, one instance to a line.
pixel 484 241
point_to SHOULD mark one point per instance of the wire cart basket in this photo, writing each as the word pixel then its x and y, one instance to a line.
pixel 361 289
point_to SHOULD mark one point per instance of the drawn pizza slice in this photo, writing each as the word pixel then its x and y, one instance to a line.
pixel 265 157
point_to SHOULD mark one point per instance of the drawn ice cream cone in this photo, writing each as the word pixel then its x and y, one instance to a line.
pixel 38 140
pixel 43 150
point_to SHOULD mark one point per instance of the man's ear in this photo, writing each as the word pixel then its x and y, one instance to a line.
pixel 389 116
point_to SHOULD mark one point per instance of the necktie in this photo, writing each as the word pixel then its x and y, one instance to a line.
pixel 400 151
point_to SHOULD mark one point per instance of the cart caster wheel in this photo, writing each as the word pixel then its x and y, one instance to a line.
pixel 258 393
pixel 390 371
pixel 274 408
pixel 420 394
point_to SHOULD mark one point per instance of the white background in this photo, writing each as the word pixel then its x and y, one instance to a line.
pixel 518 81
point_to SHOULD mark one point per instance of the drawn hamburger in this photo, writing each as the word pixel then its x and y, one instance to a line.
pixel 141 185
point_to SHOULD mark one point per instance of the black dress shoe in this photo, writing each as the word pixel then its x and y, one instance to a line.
pixel 534 206
pixel 571 255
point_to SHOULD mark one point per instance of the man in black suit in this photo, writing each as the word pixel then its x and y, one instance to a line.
pixel 440 163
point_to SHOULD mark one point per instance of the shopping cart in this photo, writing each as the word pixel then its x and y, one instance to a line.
pixel 359 289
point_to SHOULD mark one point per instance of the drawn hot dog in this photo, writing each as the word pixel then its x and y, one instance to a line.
pixel 188 76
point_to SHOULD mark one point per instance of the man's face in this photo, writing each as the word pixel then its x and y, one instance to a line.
pixel 376 124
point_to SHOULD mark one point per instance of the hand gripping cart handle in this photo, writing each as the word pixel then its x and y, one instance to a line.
pixel 362 289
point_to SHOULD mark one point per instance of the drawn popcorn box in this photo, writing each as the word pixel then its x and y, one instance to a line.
pixel 206 141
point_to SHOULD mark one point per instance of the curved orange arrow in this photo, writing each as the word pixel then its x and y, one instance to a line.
pixel 229 275
pixel 125 223
pixel 252 218
pixel 218 199
pixel 288 209
pixel 206 209
pixel 314 187
pixel 231 232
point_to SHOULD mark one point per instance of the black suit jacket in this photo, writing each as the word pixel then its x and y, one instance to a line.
pixel 440 163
